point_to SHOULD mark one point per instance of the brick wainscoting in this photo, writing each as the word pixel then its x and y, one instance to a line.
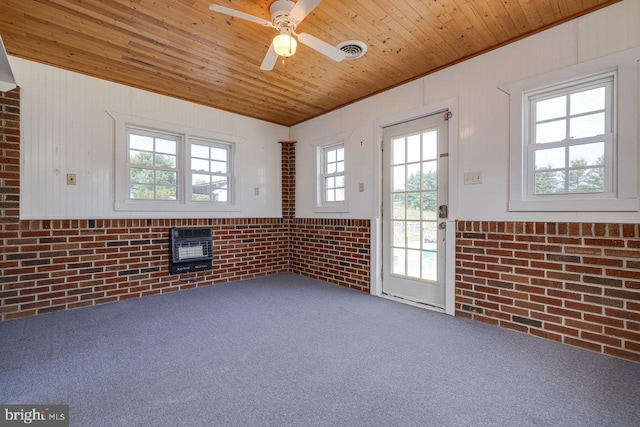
pixel 53 265
pixel 334 250
pixel 58 265
pixel 575 283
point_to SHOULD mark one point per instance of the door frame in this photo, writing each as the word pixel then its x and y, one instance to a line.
pixel 450 105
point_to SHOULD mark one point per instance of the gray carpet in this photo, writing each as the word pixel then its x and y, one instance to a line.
pixel 291 351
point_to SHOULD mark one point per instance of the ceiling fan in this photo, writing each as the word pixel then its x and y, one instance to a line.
pixel 286 15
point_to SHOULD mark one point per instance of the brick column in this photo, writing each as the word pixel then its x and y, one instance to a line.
pixel 288 192
pixel 9 157
pixel 288 180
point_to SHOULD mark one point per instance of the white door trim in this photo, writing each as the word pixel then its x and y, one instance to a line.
pixel 376 224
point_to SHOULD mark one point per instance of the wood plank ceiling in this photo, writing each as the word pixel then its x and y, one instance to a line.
pixel 182 49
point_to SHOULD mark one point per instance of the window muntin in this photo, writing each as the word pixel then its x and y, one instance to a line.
pixel 210 171
pixel 153 165
pixel 333 179
pixel 570 144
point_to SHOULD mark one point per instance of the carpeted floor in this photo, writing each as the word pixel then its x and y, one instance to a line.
pixel 287 350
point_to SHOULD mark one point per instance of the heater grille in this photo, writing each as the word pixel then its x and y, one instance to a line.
pixel 191 249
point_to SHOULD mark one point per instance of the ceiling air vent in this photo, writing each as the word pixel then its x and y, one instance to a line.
pixel 353 48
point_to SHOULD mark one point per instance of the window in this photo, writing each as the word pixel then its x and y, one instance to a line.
pixel 153 165
pixel 160 167
pixel 569 145
pixel 574 138
pixel 210 171
pixel 333 174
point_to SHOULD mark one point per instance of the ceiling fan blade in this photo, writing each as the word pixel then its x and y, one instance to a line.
pixel 322 47
pixel 270 59
pixel 302 8
pixel 242 15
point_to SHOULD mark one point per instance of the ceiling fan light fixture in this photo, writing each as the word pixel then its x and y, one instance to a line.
pixel 285 45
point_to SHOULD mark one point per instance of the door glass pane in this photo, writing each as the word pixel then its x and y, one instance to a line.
pixel 429 205
pixel 430 145
pixel 413 148
pixel 413 176
pixel 398 151
pixel 399 236
pixel 398 262
pixel 413 234
pixel 430 175
pixel 398 206
pixel 430 265
pixel 413 263
pixel 430 235
pixel 398 178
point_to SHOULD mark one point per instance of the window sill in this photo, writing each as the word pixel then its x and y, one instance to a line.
pixel 161 206
pixel 338 208
pixel 577 205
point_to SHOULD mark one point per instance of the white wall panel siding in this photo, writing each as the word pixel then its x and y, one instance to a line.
pixel 614 28
pixel 483 122
pixel 66 129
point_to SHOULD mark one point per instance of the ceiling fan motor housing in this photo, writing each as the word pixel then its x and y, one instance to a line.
pixel 279 10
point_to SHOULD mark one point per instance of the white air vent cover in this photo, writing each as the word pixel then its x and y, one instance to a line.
pixel 353 48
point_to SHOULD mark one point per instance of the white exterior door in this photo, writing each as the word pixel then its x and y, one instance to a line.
pixel 414 209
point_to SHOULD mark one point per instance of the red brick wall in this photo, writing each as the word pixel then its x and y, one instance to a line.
pixel 57 265
pixel 53 265
pixel 575 283
pixel 333 250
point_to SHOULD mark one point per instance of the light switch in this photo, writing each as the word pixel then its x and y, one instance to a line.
pixel 471 178
pixel 71 179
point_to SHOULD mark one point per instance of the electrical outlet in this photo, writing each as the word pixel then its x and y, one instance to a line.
pixel 361 187
pixel 472 178
pixel 71 179
pixel 256 191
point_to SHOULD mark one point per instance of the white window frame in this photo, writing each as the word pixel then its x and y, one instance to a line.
pixel 621 193
pixel 229 175
pixel 325 174
pixel 155 135
pixel 320 149
pixel 187 136
pixel 608 80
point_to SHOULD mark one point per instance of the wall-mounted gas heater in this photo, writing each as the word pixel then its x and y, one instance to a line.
pixel 191 249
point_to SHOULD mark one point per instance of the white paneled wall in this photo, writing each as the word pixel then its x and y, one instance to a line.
pixel 66 129
pixel 483 121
